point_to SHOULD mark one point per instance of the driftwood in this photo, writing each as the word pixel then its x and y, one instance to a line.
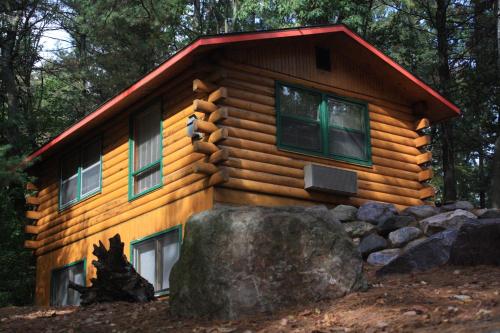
pixel 116 280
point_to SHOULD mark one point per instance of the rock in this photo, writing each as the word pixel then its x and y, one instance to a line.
pixel 376 212
pixel 443 221
pixel 383 257
pixel 358 228
pixel 344 213
pixel 477 243
pixel 433 252
pixel 464 205
pixel 413 243
pixel 400 237
pixel 490 214
pixel 463 298
pixel 394 223
pixel 247 260
pixel 421 212
pixel 372 243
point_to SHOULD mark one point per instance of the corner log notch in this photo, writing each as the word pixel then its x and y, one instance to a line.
pixel 427 192
pixel 213 134
pixel 33 201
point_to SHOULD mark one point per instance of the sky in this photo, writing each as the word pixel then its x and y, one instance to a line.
pixel 53 40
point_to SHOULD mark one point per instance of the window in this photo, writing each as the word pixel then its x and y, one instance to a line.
pixel 323 58
pixel 145 151
pixel 80 174
pixel 154 257
pixel 60 293
pixel 320 124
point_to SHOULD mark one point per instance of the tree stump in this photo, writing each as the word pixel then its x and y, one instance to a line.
pixel 116 280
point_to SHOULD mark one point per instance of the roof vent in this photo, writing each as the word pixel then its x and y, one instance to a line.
pixel 323 59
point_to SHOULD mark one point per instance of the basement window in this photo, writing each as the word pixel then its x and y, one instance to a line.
pixel 80 174
pixel 323 58
pixel 60 294
pixel 145 151
pixel 315 123
pixel 154 256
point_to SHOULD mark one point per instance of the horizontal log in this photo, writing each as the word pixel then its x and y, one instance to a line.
pixel 219 156
pixel 391 121
pixel 246 77
pixel 422 141
pixel 204 147
pixel 250 96
pixel 393 130
pixel 204 106
pixel 218 95
pixel 33 215
pixel 251 135
pixel 204 126
pixel 250 115
pixel 205 168
pixel 31 244
pixel 395 147
pixel 422 124
pixel 425 175
pixel 256 88
pixel 390 154
pixel 218 115
pixel 249 125
pixel 249 106
pixel 427 192
pixel 392 112
pixel 220 134
pixel 35 201
pixel 424 158
pixel 265 167
pixel 201 86
pixel 32 229
pixel 266 177
pixel 388 162
pixel 392 138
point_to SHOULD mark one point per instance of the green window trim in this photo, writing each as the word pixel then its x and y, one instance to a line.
pixel 146 238
pixel 324 127
pixel 132 173
pixel 79 197
pixel 60 268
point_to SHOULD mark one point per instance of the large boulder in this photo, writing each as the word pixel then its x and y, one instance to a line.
pixel 358 228
pixel 414 243
pixel 384 257
pixel 443 221
pixel 490 214
pixel 421 212
pixel 401 237
pixel 371 243
pixel 430 253
pixel 477 243
pixel 376 212
pixel 247 260
pixel 395 222
pixel 344 213
pixel 465 205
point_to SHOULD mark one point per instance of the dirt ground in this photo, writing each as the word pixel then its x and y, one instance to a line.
pixel 450 299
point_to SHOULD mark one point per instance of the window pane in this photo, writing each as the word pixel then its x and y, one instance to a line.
pixel 61 294
pixel 170 254
pixel 91 167
pixel 147 139
pixel 345 114
pixel 346 143
pixel 145 257
pixel 296 102
pixel 300 134
pixel 147 179
pixel 69 178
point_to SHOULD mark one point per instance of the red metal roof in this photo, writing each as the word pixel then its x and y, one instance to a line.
pixel 209 41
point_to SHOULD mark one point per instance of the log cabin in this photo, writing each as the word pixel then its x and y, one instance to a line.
pixel 300 116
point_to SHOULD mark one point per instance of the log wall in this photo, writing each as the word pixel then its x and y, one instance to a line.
pixel 256 165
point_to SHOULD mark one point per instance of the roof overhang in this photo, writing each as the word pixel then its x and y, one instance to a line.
pixel 170 67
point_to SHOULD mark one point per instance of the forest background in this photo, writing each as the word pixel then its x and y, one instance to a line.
pixel 60 59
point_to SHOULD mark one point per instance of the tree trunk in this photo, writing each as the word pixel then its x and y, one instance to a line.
pixel 495 181
pixel 447 144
